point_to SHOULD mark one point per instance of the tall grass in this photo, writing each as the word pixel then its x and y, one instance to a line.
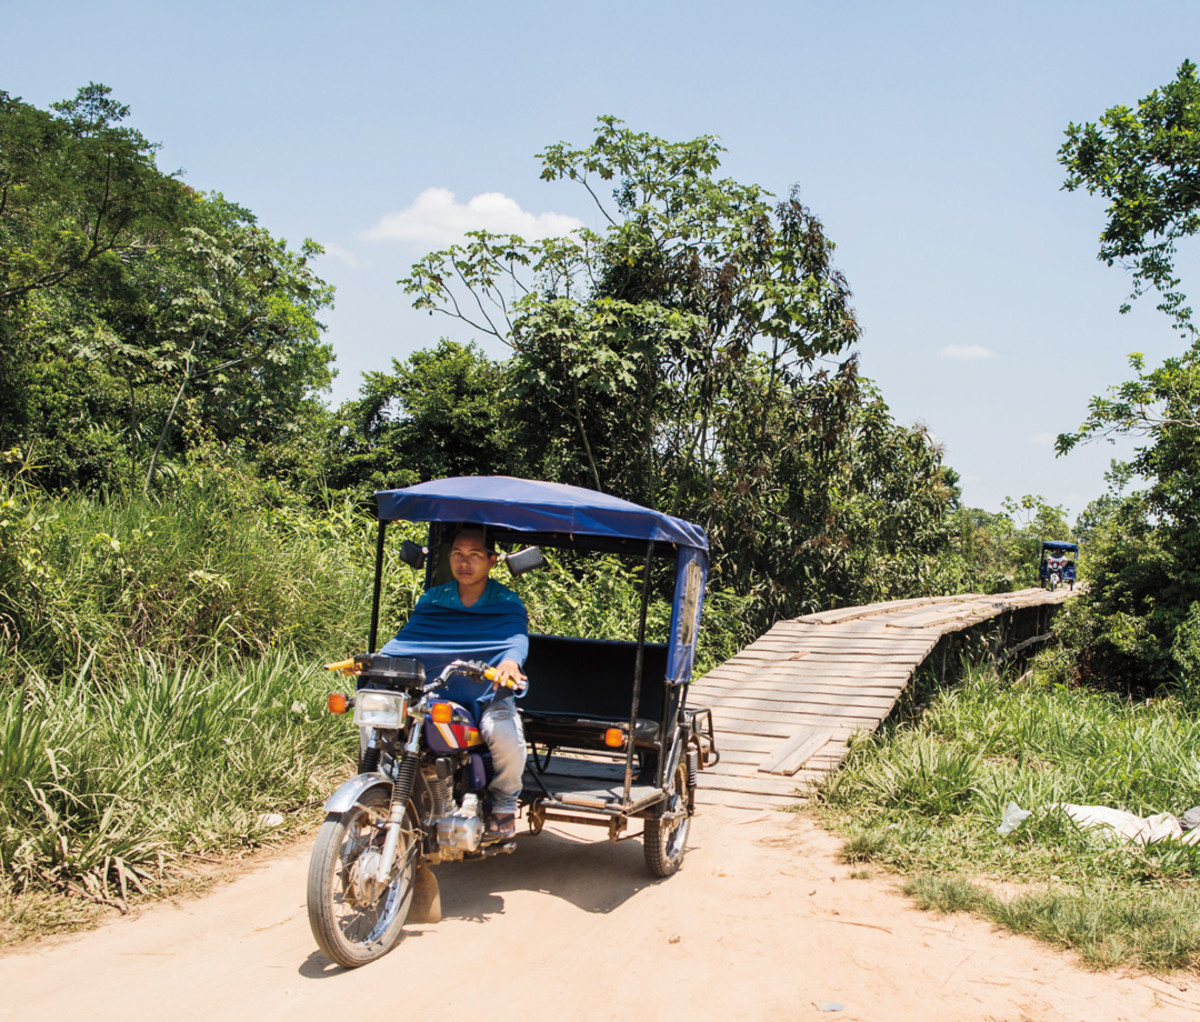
pixel 99 783
pixel 925 795
pixel 159 678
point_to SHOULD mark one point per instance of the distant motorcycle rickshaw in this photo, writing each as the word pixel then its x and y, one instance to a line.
pixel 1058 564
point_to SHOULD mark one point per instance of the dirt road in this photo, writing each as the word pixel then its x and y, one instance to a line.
pixel 761 923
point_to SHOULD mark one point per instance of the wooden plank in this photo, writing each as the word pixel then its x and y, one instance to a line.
pixel 851 716
pixel 776 730
pixel 741 761
pixel 768 784
pixel 792 721
pixel 800 669
pixel 816 663
pixel 735 708
pixel 898 642
pixel 734 700
pixel 842 673
pixel 787 674
pixel 846 644
pixel 795 752
pixel 799 687
pixel 746 743
pixel 751 702
pixel 850 654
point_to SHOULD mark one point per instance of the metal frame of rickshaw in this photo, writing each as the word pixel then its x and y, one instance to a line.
pixel 678 726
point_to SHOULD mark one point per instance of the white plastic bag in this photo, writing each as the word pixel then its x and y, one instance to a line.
pixel 1013 817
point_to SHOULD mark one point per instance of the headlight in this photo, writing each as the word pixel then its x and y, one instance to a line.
pixel 380 709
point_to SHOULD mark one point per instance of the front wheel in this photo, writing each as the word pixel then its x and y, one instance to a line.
pixel 665 841
pixel 355 917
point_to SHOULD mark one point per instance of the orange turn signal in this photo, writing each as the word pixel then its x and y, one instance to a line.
pixel 337 702
pixel 442 713
pixel 614 737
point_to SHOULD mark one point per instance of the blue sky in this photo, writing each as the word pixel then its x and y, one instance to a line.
pixel 923 134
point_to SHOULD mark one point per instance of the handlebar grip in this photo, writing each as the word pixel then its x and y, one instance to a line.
pixel 493 675
pixel 345 666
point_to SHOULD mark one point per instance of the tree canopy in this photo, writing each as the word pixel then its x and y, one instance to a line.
pixel 138 316
pixel 697 355
pixel 1145 163
pixel 1139 622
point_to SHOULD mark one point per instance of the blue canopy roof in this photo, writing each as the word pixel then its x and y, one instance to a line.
pixel 529 505
pixel 1059 544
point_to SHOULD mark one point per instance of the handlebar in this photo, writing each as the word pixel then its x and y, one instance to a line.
pixel 481 672
pixel 471 668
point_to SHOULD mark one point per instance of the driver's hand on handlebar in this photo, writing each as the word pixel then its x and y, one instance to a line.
pixel 508 673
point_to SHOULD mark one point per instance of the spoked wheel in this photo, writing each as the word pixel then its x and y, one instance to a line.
pixel 665 841
pixel 356 918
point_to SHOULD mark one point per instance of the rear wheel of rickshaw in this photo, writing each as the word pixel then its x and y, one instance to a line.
pixel 665 841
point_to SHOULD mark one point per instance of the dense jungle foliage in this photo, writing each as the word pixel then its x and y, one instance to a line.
pixel 185 524
pixel 1137 628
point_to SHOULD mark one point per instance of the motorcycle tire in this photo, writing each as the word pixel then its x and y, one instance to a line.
pixel 354 925
pixel 665 841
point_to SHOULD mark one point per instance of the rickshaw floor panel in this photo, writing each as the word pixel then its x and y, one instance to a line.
pixel 587 784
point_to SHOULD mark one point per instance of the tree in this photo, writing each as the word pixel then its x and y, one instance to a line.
pixel 80 198
pixel 444 411
pixel 654 323
pixel 239 328
pixel 76 188
pixel 1147 164
pixel 1145 560
pixel 135 312
pixel 696 356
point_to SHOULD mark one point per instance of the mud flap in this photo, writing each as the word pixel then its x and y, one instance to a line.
pixel 426 904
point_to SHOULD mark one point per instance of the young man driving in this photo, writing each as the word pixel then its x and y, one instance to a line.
pixel 474 617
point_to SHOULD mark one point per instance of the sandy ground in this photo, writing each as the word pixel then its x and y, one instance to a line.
pixel 762 922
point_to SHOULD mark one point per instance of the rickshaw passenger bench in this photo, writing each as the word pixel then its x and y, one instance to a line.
pixel 580 688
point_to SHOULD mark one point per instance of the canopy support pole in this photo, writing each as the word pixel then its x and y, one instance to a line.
pixel 637 672
pixel 378 587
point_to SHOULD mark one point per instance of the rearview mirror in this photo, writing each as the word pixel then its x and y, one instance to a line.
pixel 413 555
pixel 525 560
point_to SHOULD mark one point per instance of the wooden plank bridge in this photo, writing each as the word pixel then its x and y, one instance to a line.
pixel 785 705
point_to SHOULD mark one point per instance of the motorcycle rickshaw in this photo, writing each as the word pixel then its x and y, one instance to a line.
pixel 610 736
pixel 1057 564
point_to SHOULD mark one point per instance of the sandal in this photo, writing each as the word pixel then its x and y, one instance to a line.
pixel 501 827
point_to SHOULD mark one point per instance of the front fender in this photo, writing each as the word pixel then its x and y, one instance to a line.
pixel 349 793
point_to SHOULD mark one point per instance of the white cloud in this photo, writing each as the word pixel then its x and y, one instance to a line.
pixel 344 256
pixel 436 218
pixel 965 351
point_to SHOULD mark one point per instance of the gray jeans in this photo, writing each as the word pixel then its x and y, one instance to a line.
pixel 504 733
